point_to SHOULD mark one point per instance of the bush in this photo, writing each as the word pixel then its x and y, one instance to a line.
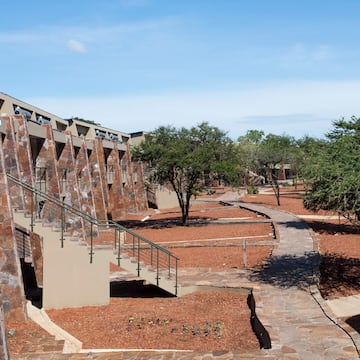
pixel 252 190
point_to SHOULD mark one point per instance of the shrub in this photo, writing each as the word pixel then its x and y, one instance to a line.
pixel 252 190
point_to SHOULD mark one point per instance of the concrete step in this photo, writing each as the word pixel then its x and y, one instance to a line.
pixel 129 263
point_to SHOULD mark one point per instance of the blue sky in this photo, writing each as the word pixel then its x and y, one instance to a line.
pixel 282 66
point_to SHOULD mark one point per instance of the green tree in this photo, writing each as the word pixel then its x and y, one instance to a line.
pixel 274 152
pixel 248 148
pixel 332 173
pixel 188 160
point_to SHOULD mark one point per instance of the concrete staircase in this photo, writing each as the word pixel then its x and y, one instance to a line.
pixel 76 273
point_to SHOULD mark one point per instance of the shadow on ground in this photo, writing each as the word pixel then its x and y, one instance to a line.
pixel 289 271
pixel 354 322
pixel 136 289
pixel 336 276
pixel 340 276
pixel 163 223
pixel 296 224
pixel 333 228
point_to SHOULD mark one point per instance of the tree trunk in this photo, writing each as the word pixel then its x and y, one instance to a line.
pixel 275 186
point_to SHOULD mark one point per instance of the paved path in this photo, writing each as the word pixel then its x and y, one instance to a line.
pixel 288 303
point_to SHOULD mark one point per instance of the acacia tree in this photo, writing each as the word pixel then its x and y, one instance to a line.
pixel 248 147
pixel 188 159
pixel 332 173
pixel 274 152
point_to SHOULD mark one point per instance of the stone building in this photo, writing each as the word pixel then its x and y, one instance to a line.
pixel 79 176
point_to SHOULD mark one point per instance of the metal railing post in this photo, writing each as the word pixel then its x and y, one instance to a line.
pixel 138 257
pixel 62 225
pixel 32 213
pixel 244 254
pixel 142 243
pixel 91 243
pixel 157 267
pixel 176 276
pixel 118 250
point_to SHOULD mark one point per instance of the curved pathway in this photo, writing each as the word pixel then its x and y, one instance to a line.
pixel 288 300
pixel 288 303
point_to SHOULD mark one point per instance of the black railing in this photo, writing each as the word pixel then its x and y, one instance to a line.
pixel 124 241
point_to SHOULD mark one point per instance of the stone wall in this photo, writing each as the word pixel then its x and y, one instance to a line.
pixel 99 180
pixel 4 351
pixel 11 289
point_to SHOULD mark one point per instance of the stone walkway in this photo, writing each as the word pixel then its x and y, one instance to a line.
pixel 288 303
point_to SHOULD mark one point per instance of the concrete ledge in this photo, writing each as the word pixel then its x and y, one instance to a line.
pixel 71 344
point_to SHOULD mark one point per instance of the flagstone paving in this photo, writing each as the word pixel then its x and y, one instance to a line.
pixel 288 303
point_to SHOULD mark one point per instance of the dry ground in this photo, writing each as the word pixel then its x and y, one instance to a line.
pixel 338 242
pixel 204 321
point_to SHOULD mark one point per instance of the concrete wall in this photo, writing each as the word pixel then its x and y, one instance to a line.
pixel 165 198
pixel 68 270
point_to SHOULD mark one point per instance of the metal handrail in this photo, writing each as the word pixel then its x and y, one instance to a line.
pixel 138 251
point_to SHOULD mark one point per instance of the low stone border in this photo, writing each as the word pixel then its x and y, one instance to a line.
pixel 258 328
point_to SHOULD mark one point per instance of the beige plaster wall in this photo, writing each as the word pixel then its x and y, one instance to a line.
pixel 70 280
pixel 165 198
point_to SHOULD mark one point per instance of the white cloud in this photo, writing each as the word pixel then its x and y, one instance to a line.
pixel 76 46
pixel 293 108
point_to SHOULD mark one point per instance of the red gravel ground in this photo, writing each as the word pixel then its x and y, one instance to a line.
pixel 198 321
pixel 211 320
pixel 338 242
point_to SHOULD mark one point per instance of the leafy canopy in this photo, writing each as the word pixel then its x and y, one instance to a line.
pixel 333 172
pixel 188 159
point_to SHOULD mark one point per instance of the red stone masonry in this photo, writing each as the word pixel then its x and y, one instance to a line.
pixel 102 182
pixel 98 177
pixel 116 192
pixel 47 160
pixel 24 153
pixel 84 179
pixel 11 290
pixel 69 187
pixel 11 162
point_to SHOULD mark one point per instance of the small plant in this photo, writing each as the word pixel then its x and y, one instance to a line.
pixel 218 329
pixel 252 189
pixel 185 329
pixel 196 330
pixel 207 330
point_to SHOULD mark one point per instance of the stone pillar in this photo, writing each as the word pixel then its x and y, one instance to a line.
pixel 11 289
pixel 98 172
pixel 69 187
pixel 128 183
pixel 116 193
pixel 4 351
pixel 11 163
pixel 47 159
pixel 25 157
pixel 84 180
pixel 139 187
